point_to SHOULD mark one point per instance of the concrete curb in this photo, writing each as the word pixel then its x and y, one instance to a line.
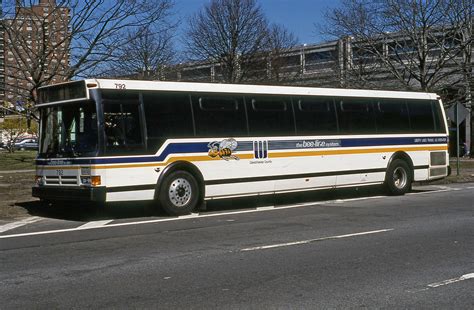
pixel 16 171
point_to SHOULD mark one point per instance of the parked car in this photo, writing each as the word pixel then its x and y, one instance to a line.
pixel 27 144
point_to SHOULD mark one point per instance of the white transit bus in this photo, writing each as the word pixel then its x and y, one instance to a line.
pixel 183 143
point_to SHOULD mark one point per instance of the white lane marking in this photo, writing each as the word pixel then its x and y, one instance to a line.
pixel 303 204
pixel 451 281
pixel 355 199
pixel 192 215
pixel 431 191
pixel 430 187
pixel 441 189
pixel 265 208
pixel 95 224
pixel 279 245
pixel 17 224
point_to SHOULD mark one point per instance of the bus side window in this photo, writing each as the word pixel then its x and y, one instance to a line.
pixel 270 116
pixel 315 116
pixel 122 122
pixel 122 126
pixel 421 116
pixel 219 116
pixel 168 116
pixel 391 116
pixel 356 116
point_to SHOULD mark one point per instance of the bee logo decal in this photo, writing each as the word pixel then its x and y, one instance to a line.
pixel 223 149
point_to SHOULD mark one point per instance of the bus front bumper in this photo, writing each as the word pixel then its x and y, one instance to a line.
pixel 62 193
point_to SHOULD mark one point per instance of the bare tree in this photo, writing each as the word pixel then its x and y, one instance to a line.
pixel 229 32
pixel 356 68
pixel 463 18
pixel 414 40
pixel 147 53
pixel 55 41
pixel 36 53
pixel 279 42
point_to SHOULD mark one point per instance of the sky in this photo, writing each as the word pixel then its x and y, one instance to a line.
pixel 298 16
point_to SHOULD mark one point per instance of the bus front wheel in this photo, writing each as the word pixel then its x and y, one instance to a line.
pixel 398 178
pixel 179 193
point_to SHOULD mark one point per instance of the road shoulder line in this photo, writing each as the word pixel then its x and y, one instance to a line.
pixel 279 245
pixel 451 281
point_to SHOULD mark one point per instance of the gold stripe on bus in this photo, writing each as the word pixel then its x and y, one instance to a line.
pixel 251 156
pixel 172 160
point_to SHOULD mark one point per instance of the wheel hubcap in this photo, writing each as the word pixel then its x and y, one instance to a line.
pixel 180 192
pixel 400 177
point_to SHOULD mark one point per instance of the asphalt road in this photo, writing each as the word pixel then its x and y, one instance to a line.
pixel 351 251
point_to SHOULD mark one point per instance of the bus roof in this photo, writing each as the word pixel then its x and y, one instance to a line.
pixel 194 87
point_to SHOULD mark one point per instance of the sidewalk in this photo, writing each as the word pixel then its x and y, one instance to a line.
pixel 454 159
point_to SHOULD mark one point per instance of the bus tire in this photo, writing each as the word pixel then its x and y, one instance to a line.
pixel 398 178
pixel 179 193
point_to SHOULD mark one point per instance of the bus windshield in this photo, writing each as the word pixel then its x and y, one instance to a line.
pixel 69 130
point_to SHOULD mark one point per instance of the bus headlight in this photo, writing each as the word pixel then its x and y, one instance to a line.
pixel 91 180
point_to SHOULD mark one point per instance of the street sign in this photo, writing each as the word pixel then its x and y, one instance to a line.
pixel 461 111
pixel 457 114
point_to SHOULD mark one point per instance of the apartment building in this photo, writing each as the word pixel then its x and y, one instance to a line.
pixel 35 46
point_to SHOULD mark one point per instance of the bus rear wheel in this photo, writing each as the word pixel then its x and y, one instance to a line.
pixel 179 193
pixel 398 178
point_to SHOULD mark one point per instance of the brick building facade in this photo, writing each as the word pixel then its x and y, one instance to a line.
pixel 35 47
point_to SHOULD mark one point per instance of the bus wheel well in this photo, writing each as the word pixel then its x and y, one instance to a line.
pixel 183 166
pixel 402 156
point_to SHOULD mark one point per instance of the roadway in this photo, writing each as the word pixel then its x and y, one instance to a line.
pixel 343 250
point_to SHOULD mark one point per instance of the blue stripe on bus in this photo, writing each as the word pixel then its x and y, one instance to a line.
pixel 391 141
pixel 202 147
pixel 173 148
